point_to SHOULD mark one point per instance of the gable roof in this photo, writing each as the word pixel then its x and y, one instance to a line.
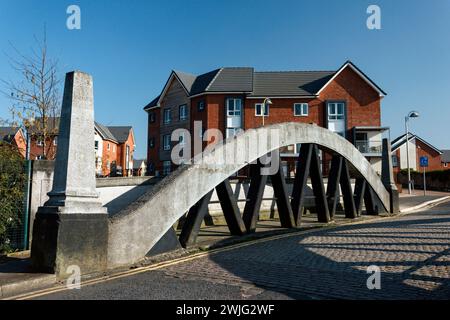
pixel 445 156
pixel 7 134
pixel 138 163
pixel 104 132
pixel 259 84
pixel 399 141
pixel 349 64
pixel 120 133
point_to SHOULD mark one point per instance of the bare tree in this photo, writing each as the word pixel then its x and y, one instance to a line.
pixel 35 95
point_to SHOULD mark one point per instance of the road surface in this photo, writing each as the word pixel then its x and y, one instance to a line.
pixel 412 253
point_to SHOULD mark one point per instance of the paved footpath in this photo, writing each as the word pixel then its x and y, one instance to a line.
pixel 412 251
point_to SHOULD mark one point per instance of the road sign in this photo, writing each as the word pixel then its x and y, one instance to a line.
pixel 424 162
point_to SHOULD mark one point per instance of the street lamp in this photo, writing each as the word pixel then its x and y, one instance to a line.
pixel 412 114
pixel 263 109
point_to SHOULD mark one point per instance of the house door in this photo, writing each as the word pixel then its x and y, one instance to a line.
pixel 234 116
pixel 336 117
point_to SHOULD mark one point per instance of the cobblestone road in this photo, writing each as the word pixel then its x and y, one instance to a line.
pixel 413 253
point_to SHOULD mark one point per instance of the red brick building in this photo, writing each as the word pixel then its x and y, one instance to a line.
pixel 15 137
pixel 114 149
pixel 345 101
pixel 44 148
pixel 418 148
pixel 445 160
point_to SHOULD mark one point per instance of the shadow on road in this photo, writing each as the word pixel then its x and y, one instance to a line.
pixel 413 254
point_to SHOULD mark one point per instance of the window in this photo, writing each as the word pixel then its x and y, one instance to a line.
pixel 108 147
pixel 201 105
pixel 114 148
pixel 301 109
pixel 167 116
pixel 55 141
pixel 96 145
pixel 40 142
pixel 259 110
pixel 183 112
pixel 166 167
pixel 234 107
pixel 127 158
pixel 151 142
pixel 151 167
pixel 336 111
pixel 151 117
pixel 445 164
pixel 166 142
pixel 394 161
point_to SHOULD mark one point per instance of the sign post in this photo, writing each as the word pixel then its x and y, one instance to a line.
pixel 424 165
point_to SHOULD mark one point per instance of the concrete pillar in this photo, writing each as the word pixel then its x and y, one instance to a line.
pixel 387 177
pixel 72 226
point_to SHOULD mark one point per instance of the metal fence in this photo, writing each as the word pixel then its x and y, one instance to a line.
pixel 14 229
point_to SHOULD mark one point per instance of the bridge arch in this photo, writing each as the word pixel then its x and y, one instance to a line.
pixel 137 228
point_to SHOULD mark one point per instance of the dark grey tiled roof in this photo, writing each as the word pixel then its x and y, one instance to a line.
pixel 232 80
pixel 202 82
pixel 446 156
pixel 7 133
pixel 138 163
pixel 259 84
pixel 104 132
pixel 186 79
pixel 152 103
pixel 290 83
pixel 120 133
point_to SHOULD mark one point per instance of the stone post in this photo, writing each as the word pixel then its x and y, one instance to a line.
pixel 387 177
pixel 72 226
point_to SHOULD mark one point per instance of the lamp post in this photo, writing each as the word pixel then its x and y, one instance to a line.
pixel 412 114
pixel 263 109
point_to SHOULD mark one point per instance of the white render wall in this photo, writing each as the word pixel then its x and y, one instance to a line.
pixel 412 155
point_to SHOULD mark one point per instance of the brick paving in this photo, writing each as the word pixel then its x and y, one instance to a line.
pixel 412 252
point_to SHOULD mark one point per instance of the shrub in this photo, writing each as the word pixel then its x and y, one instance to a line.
pixel 12 186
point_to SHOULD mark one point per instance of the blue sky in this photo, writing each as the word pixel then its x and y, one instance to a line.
pixel 130 47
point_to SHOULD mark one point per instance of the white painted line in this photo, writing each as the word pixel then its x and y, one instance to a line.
pixel 424 204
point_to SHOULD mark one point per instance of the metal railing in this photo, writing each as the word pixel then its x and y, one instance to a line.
pixel 369 147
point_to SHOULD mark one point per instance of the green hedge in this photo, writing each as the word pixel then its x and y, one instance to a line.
pixel 12 186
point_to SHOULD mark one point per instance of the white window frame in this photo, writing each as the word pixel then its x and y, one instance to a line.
pixel 182 107
pixel 40 142
pixel 302 113
pixel 167 116
pixel 336 115
pixel 260 105
pixel 235 112
pixel 166 142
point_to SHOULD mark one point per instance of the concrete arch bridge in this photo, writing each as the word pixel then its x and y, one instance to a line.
pixel 134 231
